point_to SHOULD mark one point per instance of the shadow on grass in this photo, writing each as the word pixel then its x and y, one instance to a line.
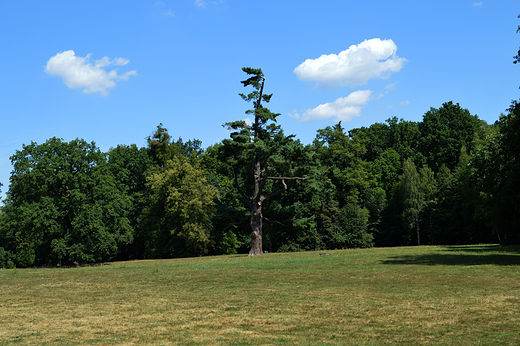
pixel 511 249
pixel 464 255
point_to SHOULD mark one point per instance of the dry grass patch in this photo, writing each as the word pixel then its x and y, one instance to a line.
pixel 417 295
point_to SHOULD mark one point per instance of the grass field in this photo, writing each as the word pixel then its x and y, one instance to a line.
pixel 440 295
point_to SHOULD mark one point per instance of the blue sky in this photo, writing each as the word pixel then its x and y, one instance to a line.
pixel 111 71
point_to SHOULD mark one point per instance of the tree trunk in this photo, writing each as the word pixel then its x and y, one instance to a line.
pixel 270 238
pixel 418 234
pixel 256 230
pixel 256 210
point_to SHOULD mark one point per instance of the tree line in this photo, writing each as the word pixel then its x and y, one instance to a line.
pixel 448 179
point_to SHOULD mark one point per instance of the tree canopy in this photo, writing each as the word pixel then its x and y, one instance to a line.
pixel 63 204
pixel 177 217
pixel 450 178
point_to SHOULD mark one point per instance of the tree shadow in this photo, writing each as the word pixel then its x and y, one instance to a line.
pixel 510 249
pixel 463 255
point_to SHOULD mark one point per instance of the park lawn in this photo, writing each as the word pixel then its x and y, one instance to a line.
pixel 464 295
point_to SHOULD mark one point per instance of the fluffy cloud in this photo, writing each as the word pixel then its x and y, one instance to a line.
pixel 343 109
pixel 78 72
pixel 358 64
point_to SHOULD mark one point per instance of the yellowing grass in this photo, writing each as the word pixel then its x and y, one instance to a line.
pixel 416 295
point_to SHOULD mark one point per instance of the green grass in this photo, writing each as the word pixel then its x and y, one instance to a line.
pixel 467 295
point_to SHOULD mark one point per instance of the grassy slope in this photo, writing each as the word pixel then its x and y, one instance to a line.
pixel 414 295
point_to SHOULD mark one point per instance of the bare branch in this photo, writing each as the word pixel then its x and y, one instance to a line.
pixel 288 178
pixel 274 193
pixel 275 221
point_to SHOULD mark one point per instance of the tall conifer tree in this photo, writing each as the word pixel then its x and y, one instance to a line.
pixel 258 153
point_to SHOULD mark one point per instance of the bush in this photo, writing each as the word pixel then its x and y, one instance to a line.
pixel 6 259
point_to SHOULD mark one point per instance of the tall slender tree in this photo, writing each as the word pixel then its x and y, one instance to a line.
pixel 265 149
pixel 413 197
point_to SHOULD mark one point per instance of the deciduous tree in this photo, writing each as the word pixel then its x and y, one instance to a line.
pixel 177 219
pixel 63 203
pixel 413 197
pixel 444 132
pixel 129 166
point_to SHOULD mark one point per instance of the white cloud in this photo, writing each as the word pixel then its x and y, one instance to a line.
pixel 388 88
pixel 204 3
pixel 404 103
pixel 169 13
pixel 343 109
pixel 78 72
pixel 358 64
pixel 105 61
pixel 477 4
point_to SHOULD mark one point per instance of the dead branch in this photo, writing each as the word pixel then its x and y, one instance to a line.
pixel 275 221
pixel 288 178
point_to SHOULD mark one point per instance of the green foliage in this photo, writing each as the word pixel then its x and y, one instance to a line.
pixel 399 135
pixel 7 241
pixel 129 167
pixel 413 197
pixel 231 213
pixel 260 157
pixel 450 179
pixel 444 132
pixel 177 217
pixel 162 148
pixel 305 210
pixel 6 259
pixel 387 168
pixel 228 244
pixel 405 137
pixel 63 204
pixel 344 156
pixel 331 209
pixel 349 230
pixel 497 174
pixel 159 146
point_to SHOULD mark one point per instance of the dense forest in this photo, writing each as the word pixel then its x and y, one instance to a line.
pixel 449 179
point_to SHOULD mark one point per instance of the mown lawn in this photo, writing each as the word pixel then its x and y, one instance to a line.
pixel 468 295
